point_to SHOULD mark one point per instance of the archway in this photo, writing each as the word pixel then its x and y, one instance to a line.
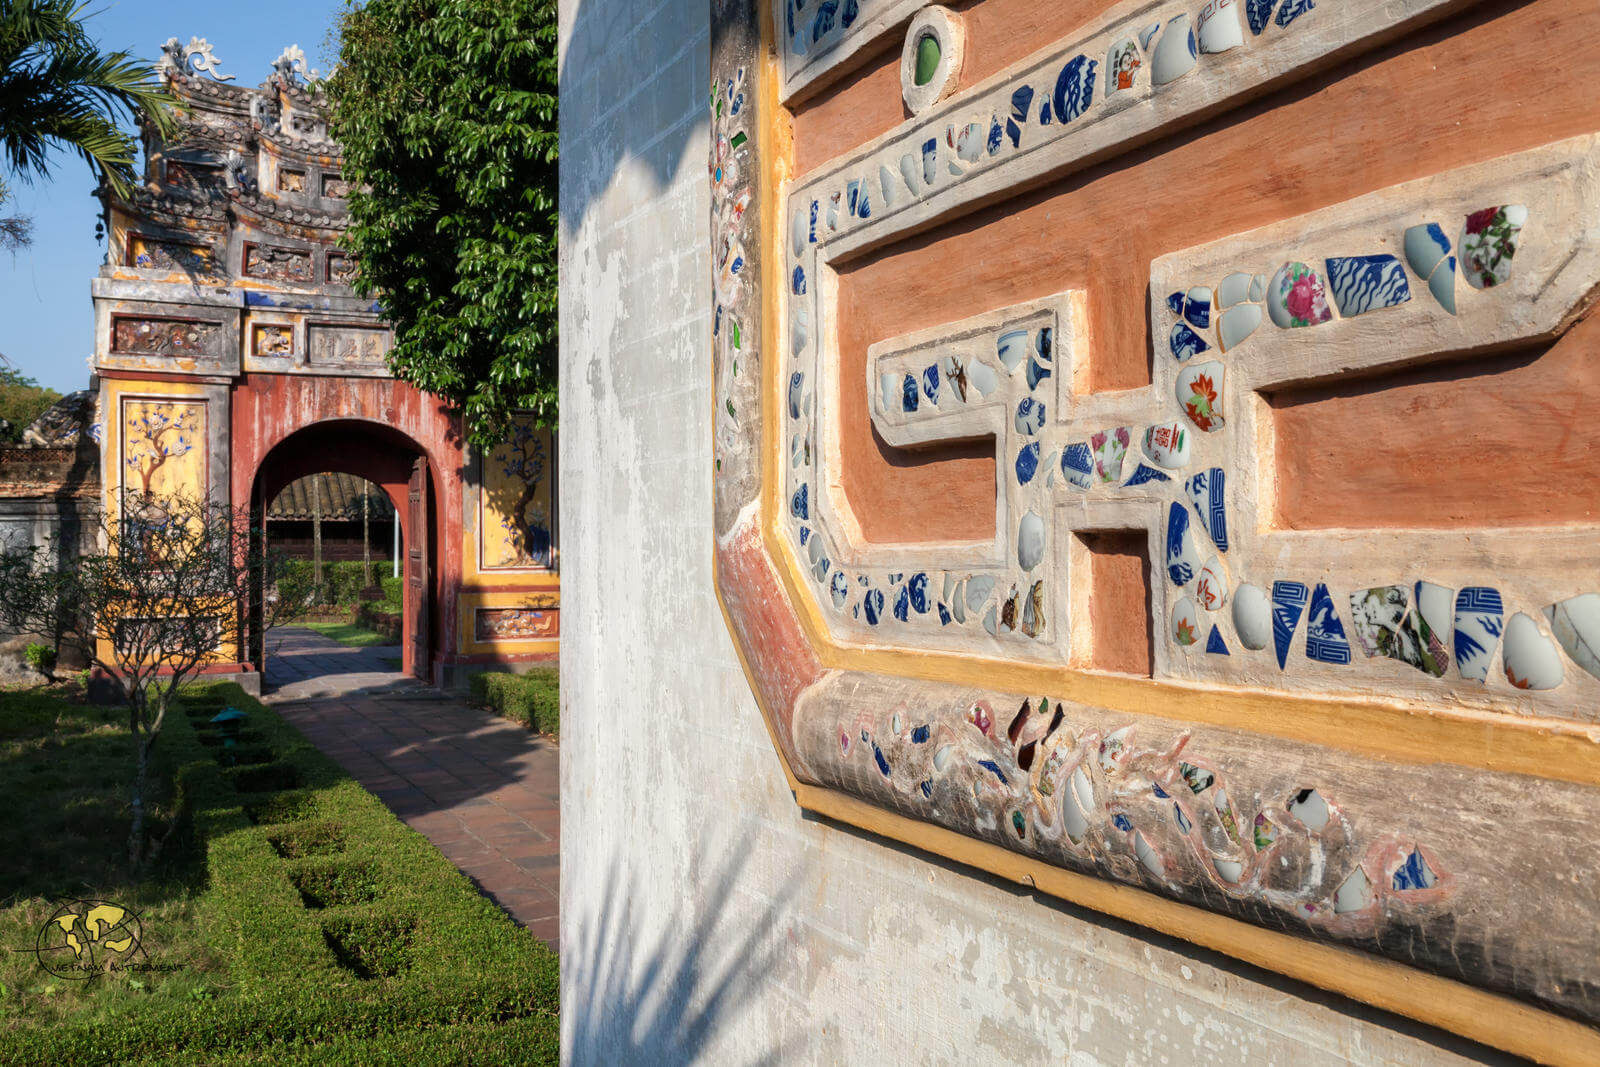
pixel 401 468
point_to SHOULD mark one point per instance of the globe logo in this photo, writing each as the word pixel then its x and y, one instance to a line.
pixel 86 938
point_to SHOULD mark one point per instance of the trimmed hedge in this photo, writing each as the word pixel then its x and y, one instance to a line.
pixel 533 699
pixel 341 580
pixel 403 961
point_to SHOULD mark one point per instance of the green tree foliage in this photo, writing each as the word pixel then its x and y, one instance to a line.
pixel 22 399
pixel 447 113
pixel 59 90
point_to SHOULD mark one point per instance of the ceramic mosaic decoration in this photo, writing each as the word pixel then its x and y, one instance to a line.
pixel 1332 643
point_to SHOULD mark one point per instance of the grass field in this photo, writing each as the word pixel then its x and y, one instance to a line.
pixel 350 634
pixel 291 919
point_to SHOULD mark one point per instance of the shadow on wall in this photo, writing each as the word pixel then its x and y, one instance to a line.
pixel 635 85
pixel 628 1002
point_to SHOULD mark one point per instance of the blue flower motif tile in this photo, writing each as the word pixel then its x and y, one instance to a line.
pixel 805 535
pixel 1074 88
pixel 908 394
pixel 930 382
pixel 1185 342
pixel 1028 463
pixel 1288 604
pixel 1207 492
pixel 1325 640
pixel 1215 645
pixel 1029 419
pixel 839 589
pixel 1367 283
pixel 995 136
pixel 902 605
pixel 800 505
pixel 797 382
pixel 1142 474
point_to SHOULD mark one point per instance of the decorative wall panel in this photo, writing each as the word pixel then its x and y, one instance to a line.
pixel 346 346
pixel 516 515
pixel 1277 646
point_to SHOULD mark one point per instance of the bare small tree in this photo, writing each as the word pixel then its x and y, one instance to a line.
pixel 162 595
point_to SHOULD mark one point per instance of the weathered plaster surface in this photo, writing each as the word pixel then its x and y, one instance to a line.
pixel 704 916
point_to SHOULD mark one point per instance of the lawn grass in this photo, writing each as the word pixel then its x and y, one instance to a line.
pixel 295 918
pixel 347 633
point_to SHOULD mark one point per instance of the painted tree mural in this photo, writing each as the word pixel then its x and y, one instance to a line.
pixel 154 436
pixel 516 499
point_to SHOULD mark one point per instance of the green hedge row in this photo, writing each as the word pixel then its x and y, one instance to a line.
pixel 346 934
pixel 533 699
pixel 342 581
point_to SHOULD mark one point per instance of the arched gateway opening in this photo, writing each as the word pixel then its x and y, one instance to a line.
pixel 399 466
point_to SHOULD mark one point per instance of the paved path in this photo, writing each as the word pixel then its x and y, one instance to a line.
pixel 484 790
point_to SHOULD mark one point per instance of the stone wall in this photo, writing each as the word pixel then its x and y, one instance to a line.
pixel 704 916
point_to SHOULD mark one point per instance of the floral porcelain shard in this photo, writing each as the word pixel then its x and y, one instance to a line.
pixel 1296 297
pixel 1200 394
pixel 1488 241
pixel 1211 588
pixel 1185 623
pixel 1110 447
pixel 1377 614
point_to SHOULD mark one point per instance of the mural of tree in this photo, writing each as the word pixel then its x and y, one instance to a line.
pixel 523 518
pixel 156 435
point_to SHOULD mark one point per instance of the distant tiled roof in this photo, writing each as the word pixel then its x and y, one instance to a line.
pixel 341 499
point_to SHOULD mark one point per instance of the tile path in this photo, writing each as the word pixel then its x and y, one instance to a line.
pixel 484 790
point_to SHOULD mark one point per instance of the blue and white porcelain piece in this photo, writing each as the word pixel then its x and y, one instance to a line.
pixel 1366 283
pixel 1442 284
pixel 839 589
pixel 1414 874
pixel 1077 464
pixel 798 282
pixel 1197 307
pixel 1175 54
pixel 1183 557
pixel 1288 604
pixel 872 605
pixel 1293 9
pixel 930 382
pixel 1028 463
pixel 908 394
pixel 1479 621
pixel 797 382
pixel 1185 342
pixel 1215 645
pixel 1425 246
pixel 1208 492
pixel 902 605
pixel 996 134
pixel 1021 102
pixel 1037 372
pixel 1074 88
pixel 1258 13
pixel 930 161
pixel 917 587
pixel 1148 34
pixel 1175 302
pixel 1012 348
pixel 1325 638
pixel 1142 474
pixel 1029 419
pixel 1030 541
pixel 799 505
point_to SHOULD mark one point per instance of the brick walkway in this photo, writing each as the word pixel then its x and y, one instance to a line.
pixel 484 790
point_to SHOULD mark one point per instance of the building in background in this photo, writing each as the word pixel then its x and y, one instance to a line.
pixel 233 358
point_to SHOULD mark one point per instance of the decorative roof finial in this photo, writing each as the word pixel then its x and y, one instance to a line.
pixel 291 66
pixel 195 57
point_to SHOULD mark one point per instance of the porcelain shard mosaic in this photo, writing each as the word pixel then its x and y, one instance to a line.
pixel 1173 460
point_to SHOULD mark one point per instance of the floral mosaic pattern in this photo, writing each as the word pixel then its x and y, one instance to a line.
pixel 1488 242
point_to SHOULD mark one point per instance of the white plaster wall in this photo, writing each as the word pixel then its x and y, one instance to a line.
pixel 702 917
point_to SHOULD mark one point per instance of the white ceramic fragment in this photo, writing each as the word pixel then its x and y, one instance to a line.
pixel 1252 616
pixel 1235 289
pixel 1258 288
pixel 1229 870
pixel 1219 28
pixel 1185 623
pixel 1148 856
pixel 1030 541
pixel 1167 445
pixel 890 186
pixel 1076 805
pixel 1237 323
pixel 1309 807
pixel 910 170
pixel 1426 246
pixel 1353 894
pixel 1576 625
pixel 1530 658
pixel 1175 53
pixel 798 230
pixel 982 377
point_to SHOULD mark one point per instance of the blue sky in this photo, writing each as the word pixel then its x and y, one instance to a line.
pixel 46 318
